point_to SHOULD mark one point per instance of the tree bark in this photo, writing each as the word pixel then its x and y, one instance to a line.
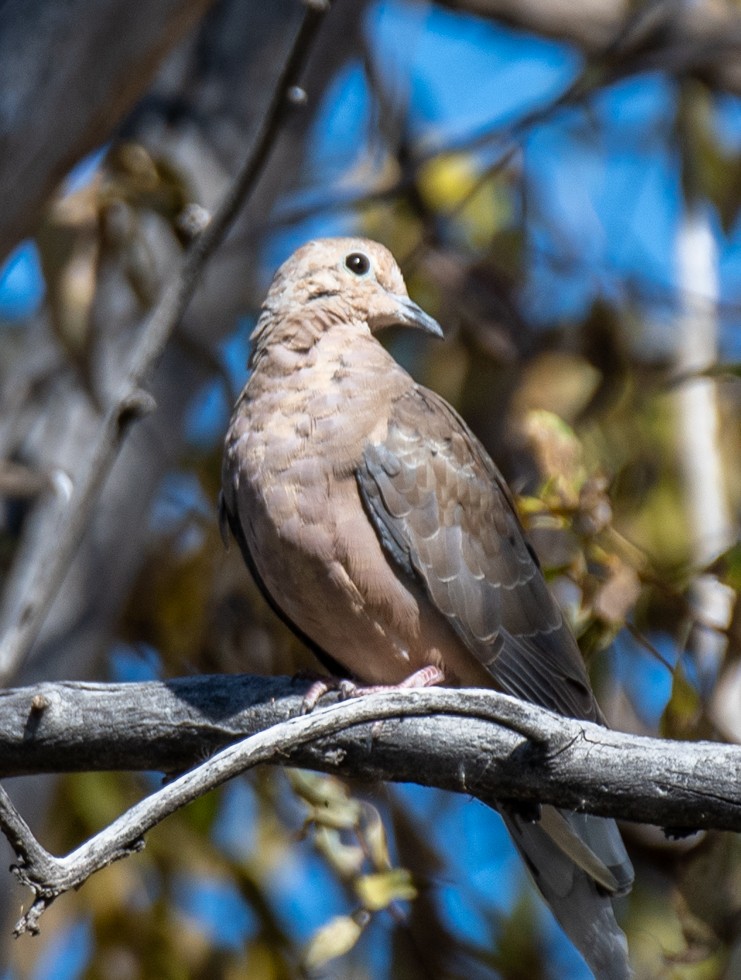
pixel 481 743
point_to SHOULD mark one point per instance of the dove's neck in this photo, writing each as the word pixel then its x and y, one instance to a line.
pixel 338 388
pixel 315 349
pixel 279 335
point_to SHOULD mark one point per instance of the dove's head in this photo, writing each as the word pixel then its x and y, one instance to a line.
pixel 349 280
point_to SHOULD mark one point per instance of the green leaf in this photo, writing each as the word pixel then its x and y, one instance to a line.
pixel 728 567
pixel 683 709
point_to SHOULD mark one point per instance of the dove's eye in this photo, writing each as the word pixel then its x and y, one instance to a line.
pixel 358 263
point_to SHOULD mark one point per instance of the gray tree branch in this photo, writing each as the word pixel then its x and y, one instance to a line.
pixel 132 402
pixel 50 119
pixel 485 744
pixel 701 38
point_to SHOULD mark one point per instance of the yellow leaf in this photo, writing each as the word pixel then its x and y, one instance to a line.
pixel 327 799
pixel 335 938
pixel 378 891
pixel 346 859
pixel 453 184
pixel 374 834
pixel 558 453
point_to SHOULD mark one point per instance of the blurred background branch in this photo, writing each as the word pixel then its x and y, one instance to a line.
pixel 130 403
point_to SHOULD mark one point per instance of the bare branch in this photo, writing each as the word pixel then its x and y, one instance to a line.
pixel 131 402
pixel 50 119
pixel 482 743
pixel 702 38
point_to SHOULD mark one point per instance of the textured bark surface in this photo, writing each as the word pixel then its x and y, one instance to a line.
pixel 480 743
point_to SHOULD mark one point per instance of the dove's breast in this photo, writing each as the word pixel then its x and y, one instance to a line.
pixel 292 454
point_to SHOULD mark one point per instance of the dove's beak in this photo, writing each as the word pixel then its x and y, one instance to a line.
pixel 411 315
pixel 404 312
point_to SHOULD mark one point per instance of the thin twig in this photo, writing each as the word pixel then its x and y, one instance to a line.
pixel 132 403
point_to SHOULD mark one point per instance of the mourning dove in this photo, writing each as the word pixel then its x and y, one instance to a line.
pixel 379 529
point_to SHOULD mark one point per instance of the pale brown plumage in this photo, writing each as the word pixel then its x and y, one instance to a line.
pixel 379 528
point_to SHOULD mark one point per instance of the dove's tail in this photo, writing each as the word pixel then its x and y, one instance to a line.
pixel 579 863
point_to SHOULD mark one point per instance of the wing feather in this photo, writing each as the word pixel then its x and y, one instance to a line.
pixel 444 514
